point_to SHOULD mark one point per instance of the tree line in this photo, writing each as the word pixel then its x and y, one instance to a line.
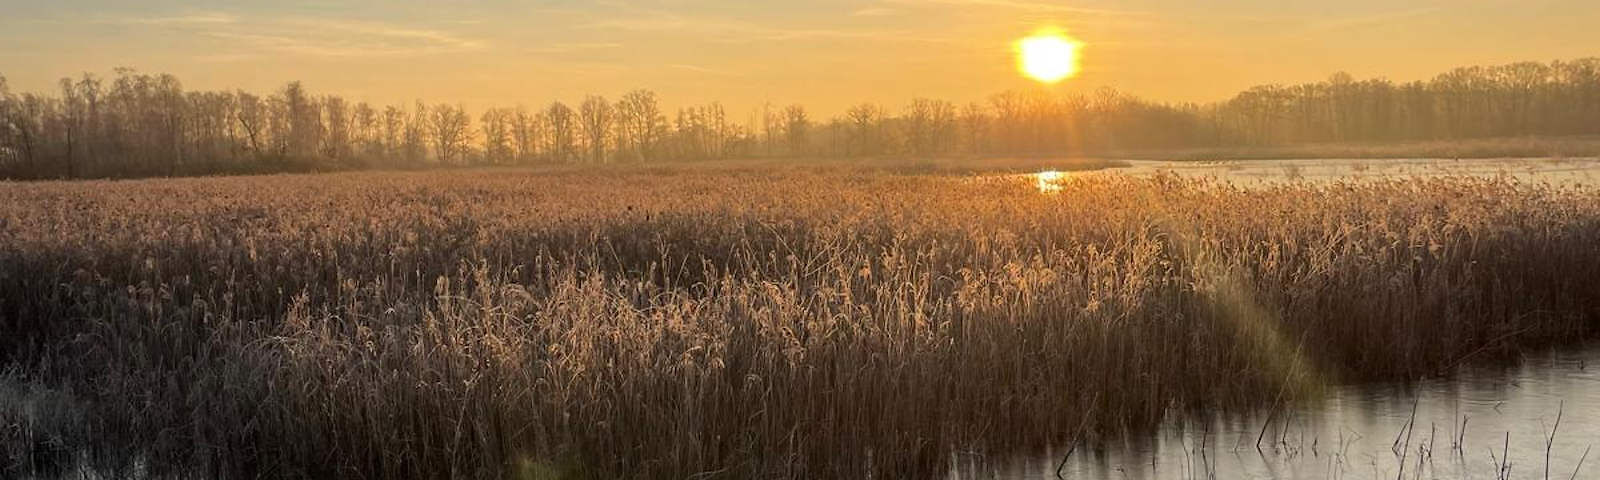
pixel 134 124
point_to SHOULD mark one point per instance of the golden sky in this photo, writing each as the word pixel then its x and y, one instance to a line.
pixel 826 54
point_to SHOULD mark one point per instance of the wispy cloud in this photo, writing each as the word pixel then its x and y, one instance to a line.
pixel 227 57
pixel 244 37
pixel 700 69
pixel 387 33
pixel 572 47
pixel 738 31
pixel 1298 25
pixel 873 12
pixel 1372 20
pixel 1024 5
pixel 176 20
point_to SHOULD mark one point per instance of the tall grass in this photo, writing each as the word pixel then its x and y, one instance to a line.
pixel 792 323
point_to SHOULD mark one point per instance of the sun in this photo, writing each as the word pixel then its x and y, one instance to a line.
pixel 1048 56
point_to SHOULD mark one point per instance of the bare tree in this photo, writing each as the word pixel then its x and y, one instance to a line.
pixel 771 127
pixel 366 124
pixel 252 117
pixel 866 136
pixel 1008 112
pixel 526 130
pixel 797 127
pixel 640 123
pixel 561 121
pixel 449 129
pixel 595 117
pixel 929 125
pixel 170 110
pixel 974 129
pixel 25 127
pixel 72 112
pixel 9 150
pixel 414 139
pixel 496 127
pixel 394 120
pixel 336 140
pixel 302 119
pixel 16 128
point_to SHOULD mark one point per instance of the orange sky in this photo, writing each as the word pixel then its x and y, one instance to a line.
pixel 825 54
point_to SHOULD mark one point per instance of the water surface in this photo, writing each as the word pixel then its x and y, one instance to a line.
pixel 1559 171
pixel 1477 424
pixel 1481 423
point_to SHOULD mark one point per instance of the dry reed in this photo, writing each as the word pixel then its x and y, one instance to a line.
pixel 788 323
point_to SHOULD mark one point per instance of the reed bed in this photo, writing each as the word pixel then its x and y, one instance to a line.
pixel 784 323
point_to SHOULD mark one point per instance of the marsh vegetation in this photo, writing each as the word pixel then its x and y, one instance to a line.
pixel 797 322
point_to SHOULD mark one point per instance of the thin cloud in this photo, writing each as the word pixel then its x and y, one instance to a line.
pixel 191 19
pixel 726 30
pixel 318 37
pixel 388 32
pixel 572 47
pixel 701 70
pixel 1373 20
pixel 1300 24
pixel 874 12
pixel 227 57
pixel 1030 6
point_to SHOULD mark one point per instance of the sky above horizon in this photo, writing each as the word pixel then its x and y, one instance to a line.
pixel 825 54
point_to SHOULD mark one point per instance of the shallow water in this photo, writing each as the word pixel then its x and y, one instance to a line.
pixel 1362 433
pixel 1481 423
pixel 1560 171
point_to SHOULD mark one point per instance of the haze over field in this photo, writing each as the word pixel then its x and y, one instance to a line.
pixel 825 54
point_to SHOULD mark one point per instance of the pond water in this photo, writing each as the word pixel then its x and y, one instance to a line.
pixel 1570 171
pixel 1535 420
pixel 1482 423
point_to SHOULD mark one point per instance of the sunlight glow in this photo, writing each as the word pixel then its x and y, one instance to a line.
pixel 1049 181
pixel 1048 56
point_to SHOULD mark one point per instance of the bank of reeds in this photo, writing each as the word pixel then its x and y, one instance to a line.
pixel 682 324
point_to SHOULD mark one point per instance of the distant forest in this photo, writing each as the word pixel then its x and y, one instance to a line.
pixel 135 125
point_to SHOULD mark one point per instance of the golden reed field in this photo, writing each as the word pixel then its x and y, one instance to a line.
pixel 803 322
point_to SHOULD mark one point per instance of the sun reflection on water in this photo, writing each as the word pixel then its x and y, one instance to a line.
pixel 1049 181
